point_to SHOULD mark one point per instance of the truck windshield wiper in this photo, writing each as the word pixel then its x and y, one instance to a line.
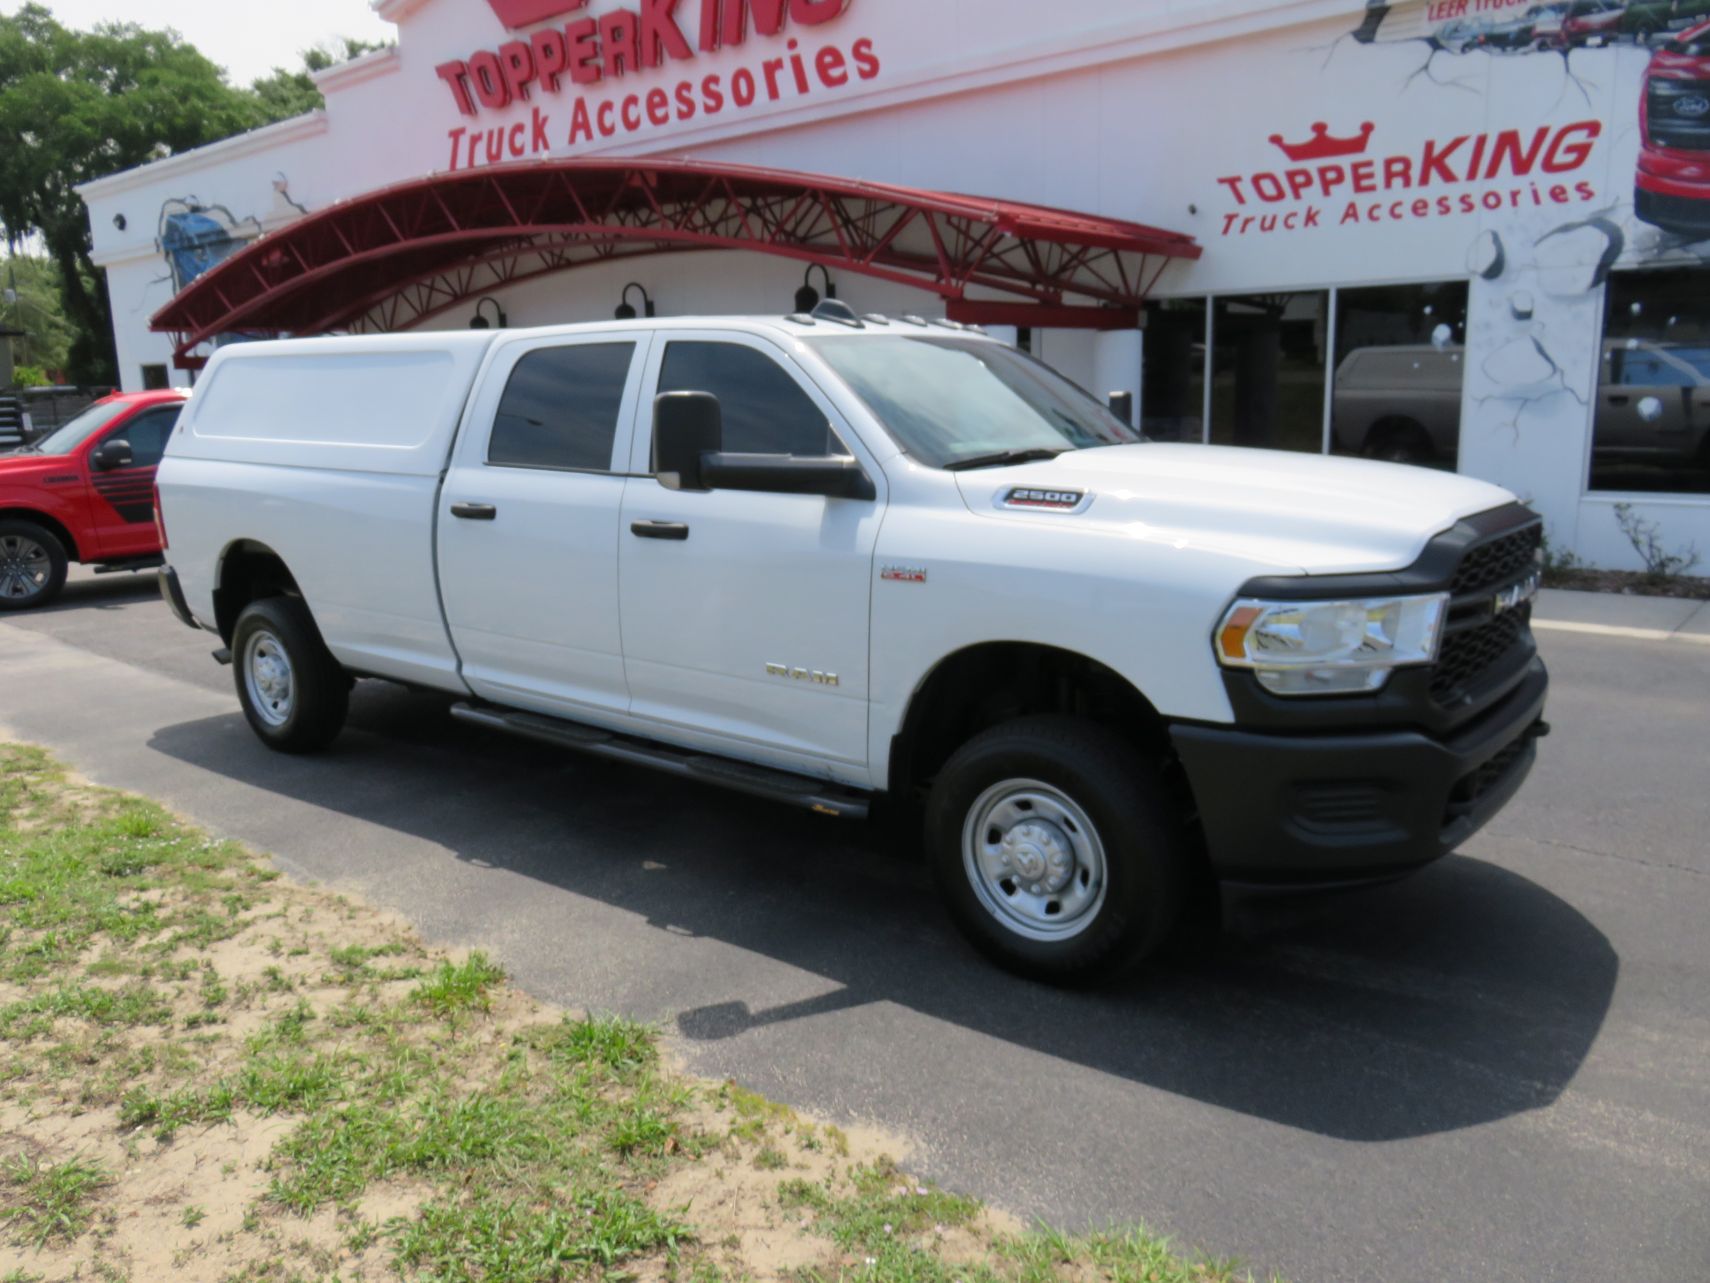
pixel 1003 459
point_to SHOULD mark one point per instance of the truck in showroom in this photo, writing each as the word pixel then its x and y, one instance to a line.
pixel 830 559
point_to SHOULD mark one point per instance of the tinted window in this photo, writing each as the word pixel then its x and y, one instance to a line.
pixel 765 410
pixel 1400 359
pixel 148 434
pixel 560 408
pixel 1651 430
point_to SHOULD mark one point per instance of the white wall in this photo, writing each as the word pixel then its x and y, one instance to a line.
pixel 1129 108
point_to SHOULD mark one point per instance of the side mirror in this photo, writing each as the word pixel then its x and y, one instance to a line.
pixel 112 454
pixel 787 474
pixel 686 425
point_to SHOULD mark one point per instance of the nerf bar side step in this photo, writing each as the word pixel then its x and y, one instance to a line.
pixel 819 796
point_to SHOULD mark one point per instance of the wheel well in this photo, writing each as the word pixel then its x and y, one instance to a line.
pixel 985 685
pixel 248 572
pixel 1397 424
pixel 47 523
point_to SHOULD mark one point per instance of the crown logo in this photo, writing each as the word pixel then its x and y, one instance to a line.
pixel 525 13
pixel 1321 146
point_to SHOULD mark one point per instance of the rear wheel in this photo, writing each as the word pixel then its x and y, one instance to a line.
pixel 32 565
pixel 1058 850
pixel 1398 441
pixel 293 691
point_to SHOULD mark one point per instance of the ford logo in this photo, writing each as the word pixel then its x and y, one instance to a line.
pixel 1693 106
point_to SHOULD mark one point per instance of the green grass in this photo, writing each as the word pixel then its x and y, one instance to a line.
pixel 45 1203
pixel 892 1226
pixel 485 1240
pixel 464 986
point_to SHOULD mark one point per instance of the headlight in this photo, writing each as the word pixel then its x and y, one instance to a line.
pixel 1330 647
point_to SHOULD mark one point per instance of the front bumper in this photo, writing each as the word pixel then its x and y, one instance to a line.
pixel 1326 809
pixel 1678 208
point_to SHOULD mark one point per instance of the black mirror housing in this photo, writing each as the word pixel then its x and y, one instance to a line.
pixel 686 425
pixel 834 478
pixel 113 454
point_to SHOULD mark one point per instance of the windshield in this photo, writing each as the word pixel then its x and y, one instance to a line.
pixel 68 436
pixel 954 400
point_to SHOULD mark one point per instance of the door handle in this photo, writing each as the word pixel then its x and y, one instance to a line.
pixel 676 531
pixel 474 511
pixel 1619 399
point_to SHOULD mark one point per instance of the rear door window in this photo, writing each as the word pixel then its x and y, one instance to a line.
pixel 560 408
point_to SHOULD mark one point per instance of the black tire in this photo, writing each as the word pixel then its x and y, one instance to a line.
pixel 1398 441
pixel 316 693
pixel 1147 854
pixel 20 589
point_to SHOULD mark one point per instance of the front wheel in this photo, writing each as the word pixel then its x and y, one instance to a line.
pixel 1059 852
pixel 32 565
pixel 292 690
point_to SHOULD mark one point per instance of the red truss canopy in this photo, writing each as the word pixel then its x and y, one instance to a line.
pixel 396 257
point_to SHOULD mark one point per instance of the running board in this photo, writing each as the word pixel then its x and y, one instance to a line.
pixel 818 796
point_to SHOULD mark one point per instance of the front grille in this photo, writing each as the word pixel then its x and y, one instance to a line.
pixel 1483 643
pixel 1500 562
pixel 1475 784
pixel 1470 653
pixel 1677 114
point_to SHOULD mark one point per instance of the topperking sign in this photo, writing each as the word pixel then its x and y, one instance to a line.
pixel 572 74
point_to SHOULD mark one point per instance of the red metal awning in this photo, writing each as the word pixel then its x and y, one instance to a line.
pixel 398 256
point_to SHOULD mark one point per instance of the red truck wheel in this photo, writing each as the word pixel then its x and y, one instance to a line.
pixel 32 565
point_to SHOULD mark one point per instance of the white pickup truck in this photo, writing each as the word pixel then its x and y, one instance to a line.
pixel 827 558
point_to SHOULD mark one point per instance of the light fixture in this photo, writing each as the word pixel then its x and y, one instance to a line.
pixel 479 322
pixel 807 298
pixel 119 222
pixel 626 309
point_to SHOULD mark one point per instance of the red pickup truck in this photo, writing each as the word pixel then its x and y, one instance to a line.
pixel 84 492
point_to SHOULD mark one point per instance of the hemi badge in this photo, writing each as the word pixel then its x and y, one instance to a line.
pixel 1050 500
pixel 904 574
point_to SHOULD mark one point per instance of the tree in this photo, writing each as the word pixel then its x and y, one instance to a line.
pixel 292 93
pixel 32 303
pixel 78 105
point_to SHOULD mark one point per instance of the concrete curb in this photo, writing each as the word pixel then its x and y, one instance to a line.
pixel 1619 615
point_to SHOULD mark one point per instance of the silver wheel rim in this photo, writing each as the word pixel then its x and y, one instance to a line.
pixel 1035 860
pixel 268 677
pixel 25 567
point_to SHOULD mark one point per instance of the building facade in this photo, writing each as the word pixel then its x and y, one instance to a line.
pixel 1459 233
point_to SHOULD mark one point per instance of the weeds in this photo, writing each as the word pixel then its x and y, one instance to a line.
pixel 48 1203
pixel 459 986
pixel 1646 538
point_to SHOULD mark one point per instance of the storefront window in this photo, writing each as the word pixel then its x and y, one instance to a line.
pixel 1652 430
pixel 1400 364
pixel 1173 402
pixel 1268 371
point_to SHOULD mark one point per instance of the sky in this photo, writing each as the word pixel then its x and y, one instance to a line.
pixel 247 37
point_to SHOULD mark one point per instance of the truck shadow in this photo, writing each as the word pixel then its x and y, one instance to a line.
pixel 1463 995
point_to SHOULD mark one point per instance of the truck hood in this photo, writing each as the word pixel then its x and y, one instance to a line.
pixel 1291 513
pixel 23 469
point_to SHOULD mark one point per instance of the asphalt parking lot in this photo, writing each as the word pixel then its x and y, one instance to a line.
pixel 1497 1070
